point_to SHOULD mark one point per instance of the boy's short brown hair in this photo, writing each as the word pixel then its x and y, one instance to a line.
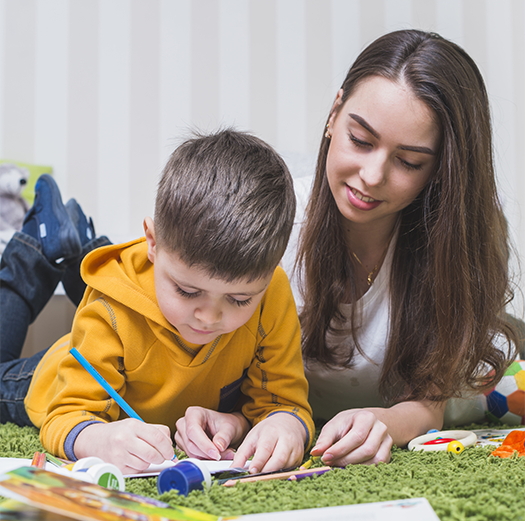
pixel 225 203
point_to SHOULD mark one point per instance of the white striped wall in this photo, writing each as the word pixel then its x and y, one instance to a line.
pixel 102 90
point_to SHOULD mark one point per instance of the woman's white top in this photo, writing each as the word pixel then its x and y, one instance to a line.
pixel 334 390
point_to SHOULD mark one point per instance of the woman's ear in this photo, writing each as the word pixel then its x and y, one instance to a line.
pixel 149 230
pixel 335 107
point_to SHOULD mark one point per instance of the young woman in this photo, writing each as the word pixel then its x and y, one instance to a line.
pixel 403 253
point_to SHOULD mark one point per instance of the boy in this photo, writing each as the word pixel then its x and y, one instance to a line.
pixel 196 314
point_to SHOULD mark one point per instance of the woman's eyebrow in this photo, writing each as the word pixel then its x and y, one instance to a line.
pixel 422 150
pixel 375 133
pixel 365 124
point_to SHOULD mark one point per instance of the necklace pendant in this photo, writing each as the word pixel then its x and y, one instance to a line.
pixel 369 279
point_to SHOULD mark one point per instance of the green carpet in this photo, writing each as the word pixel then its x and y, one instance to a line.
pixel 473 485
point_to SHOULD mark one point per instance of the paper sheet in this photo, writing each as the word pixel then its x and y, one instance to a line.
pixel 214 467
pixel 414 509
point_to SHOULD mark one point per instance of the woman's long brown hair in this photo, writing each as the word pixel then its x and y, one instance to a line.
pixel 449 280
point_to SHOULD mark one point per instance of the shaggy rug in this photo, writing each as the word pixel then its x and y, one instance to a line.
pixel 472 485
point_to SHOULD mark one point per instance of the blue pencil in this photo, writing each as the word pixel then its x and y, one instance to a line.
pixel 96 375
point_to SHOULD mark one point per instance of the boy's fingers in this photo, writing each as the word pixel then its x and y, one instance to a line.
pixel 155 446
pixel 262 454
pixel 191 435
pixel 268 461
pixel 243 454
pixel 228 454
pixel 165 448
pixel 222 440
pixel 193 448
pixel 162 428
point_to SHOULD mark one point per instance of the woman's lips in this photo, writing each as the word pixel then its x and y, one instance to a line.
pixel 361 201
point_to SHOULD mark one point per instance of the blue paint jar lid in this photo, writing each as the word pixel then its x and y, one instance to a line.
pixel 185 476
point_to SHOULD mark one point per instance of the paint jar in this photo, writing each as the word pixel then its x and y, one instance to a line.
pixel 186 475
pixel 84 463
pixel 94 470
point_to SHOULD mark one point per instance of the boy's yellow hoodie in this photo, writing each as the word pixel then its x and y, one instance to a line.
pixel 120 329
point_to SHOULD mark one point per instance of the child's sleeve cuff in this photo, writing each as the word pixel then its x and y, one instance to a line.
pixel 307 442
pixel 71 438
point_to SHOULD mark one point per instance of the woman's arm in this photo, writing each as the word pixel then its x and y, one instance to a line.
pixel 367 435
pixel 406 420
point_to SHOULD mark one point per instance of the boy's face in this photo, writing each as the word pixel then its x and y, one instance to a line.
pixel 200 307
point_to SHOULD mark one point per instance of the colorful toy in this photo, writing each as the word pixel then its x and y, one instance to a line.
pixel 455 447
pixel 506 401
pixel 451 441
pixel 514 442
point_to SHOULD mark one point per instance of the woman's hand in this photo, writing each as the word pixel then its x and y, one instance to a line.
pixel 367 435
pixel 353 436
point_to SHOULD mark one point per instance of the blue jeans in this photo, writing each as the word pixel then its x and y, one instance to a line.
pixel 27 282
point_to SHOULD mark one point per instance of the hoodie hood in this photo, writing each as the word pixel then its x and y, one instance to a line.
pixel 124 273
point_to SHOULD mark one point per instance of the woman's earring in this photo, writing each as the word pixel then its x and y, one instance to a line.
pixel 328 134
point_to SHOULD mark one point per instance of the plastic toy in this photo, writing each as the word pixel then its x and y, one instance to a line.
pixel 455 447
pixel 451 441
pixel 514 442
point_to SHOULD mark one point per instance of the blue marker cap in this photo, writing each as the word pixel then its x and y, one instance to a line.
pixel 184 476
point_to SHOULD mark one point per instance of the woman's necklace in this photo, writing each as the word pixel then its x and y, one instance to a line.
pixel 369 278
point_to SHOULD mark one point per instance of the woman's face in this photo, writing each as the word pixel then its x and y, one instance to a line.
pixel 382 151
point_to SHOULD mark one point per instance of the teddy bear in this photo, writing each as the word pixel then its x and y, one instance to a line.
pixel 13 207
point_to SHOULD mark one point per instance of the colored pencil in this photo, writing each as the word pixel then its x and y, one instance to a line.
pixel 296 474
pixel 39 460
pixel 56 461
pixel 116 396
pixel 96 375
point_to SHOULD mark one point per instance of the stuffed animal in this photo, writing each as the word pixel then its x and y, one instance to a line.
pixel 13 207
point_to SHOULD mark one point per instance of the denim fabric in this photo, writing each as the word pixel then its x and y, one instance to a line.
pixel 15 379
pixel 71 279
pixel 27 282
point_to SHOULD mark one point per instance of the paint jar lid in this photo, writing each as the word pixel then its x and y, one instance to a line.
pixel 108 476
pixel 185 476
pixel 85 463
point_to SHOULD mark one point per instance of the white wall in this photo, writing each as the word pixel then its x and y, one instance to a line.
pixel 103 89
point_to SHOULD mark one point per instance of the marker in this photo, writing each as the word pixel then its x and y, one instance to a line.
pixel 96 375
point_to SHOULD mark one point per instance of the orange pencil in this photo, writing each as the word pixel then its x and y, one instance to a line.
pixel 39 460
pixel 294 475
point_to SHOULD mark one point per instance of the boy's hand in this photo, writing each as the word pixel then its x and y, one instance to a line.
pixel 206 434
pixel 353 436
pixel 275 443
pixel 129 444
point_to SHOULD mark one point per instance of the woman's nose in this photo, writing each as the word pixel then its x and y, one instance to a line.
pixel 374 169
